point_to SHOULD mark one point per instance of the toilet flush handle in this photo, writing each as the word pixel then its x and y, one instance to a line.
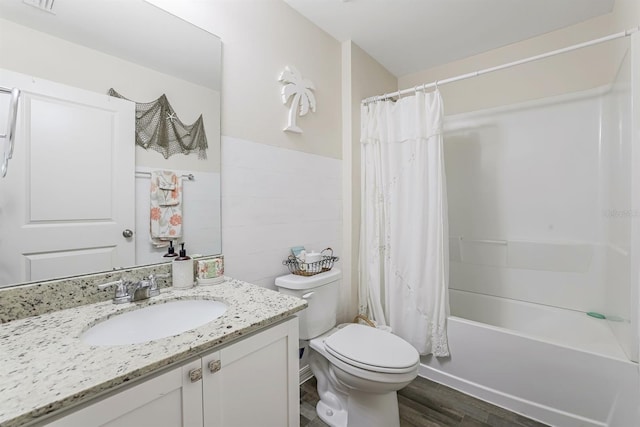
pixel 307 295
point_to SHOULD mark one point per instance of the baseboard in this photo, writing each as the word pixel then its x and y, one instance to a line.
pixel 512 403
pixel 305 374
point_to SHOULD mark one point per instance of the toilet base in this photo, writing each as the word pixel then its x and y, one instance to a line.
pixel 330 416
pixel 364 410
pixel 352 397
pixel 371 409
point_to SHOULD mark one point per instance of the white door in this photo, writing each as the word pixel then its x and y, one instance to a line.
pixel 69 190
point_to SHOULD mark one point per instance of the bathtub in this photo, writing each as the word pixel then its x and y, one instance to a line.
pixel 560 367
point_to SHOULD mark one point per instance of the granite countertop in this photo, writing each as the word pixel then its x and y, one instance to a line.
pixel 46 367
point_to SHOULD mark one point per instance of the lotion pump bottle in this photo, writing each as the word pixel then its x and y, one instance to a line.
pixel 182 270
pixel 170 251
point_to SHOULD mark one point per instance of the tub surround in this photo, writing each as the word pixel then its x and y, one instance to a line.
pixel 46 367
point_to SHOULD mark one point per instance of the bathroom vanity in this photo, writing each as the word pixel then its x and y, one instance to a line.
pixel 246 383
pixel 239 369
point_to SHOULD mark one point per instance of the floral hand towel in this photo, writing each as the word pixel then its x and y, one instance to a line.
pixel 166 207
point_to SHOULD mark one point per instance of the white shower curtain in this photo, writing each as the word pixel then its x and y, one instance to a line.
pixel 404 234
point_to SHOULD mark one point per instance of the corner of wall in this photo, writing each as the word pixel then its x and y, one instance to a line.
pixel 347 185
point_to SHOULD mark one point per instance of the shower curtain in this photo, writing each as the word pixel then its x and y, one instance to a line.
pixel 404 238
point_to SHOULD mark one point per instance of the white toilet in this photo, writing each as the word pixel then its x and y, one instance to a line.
pixel 358 368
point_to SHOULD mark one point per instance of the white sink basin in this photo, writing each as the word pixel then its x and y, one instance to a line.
pixel 153 322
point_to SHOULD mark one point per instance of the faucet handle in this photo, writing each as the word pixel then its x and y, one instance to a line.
pixel 153 290
pixel 121 293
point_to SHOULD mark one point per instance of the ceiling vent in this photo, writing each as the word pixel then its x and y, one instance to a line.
pixel 44 5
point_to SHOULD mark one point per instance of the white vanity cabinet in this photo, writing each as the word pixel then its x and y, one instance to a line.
pixel 251 382
pixel 258 381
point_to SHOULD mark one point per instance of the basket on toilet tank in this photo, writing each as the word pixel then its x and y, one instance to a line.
pixel 300 268
pixel 321 293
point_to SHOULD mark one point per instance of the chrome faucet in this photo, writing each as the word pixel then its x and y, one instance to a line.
pixel 129 291
pixel 140 290
pixel 121 290
pixel 154 291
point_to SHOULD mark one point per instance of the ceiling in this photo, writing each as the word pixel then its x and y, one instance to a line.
pixel 407 36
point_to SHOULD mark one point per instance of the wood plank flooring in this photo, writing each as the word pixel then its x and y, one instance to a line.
pixel 424 403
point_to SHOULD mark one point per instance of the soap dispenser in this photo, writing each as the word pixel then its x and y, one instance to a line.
pixel 171 253
pixel 182 270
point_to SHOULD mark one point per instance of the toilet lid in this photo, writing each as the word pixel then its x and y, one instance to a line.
pixel 372 349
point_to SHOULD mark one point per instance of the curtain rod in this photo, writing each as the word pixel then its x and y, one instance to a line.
pixel 501 67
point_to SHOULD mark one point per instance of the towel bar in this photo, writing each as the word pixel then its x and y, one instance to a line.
pixel 189 176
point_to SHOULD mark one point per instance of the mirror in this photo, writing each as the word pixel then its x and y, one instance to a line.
pixel 142 52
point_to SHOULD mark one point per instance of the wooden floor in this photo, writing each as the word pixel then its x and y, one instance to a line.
pixel 424 403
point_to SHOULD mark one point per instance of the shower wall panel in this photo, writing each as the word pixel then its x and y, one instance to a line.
pixel 617 210
pixel 527 198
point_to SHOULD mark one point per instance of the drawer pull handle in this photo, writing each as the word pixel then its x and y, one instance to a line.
pixel 195 375
pixel 215 366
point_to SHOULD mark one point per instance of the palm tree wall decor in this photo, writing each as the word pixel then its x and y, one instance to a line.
pixel 301 91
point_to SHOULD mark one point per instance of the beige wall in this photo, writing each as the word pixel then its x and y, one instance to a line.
pixel 363 76
pixel 584 69
pixel 261 37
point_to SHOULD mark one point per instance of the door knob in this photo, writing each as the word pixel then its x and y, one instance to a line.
pixel 127 233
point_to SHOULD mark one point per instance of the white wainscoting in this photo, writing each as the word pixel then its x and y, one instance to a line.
pixel 272 199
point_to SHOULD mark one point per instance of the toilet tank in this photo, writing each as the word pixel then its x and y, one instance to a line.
pixel 321 293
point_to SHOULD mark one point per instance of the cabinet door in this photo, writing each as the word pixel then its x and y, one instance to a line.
pixel 168 400
pixel 254 382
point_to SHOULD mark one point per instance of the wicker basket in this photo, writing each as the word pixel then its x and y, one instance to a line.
pixel 311 268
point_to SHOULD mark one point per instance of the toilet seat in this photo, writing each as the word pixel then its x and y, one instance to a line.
pixel 372 349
